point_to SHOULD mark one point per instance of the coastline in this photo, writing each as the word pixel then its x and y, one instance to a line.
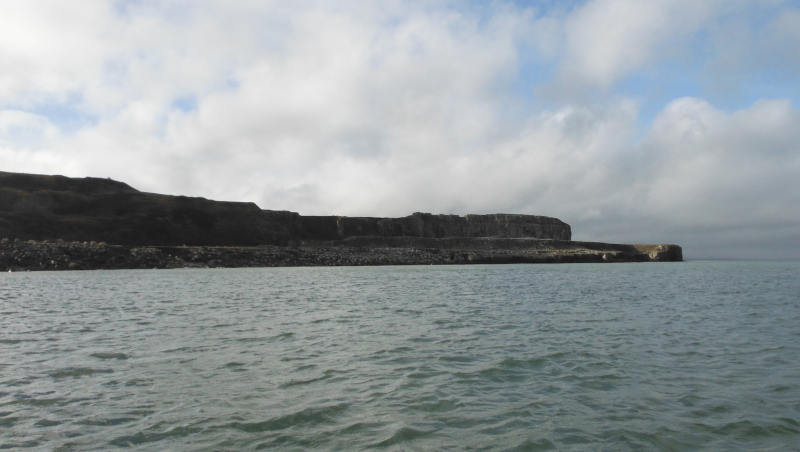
pixel 58 222
pixel 31 255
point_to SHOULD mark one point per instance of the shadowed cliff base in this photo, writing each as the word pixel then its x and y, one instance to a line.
pixel 56 222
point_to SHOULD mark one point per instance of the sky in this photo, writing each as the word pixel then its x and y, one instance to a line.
pixel 665 121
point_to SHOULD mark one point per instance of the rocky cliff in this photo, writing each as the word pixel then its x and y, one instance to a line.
pixel 49 221
pixel 422 225
pixel 42 207
pixel 90 209
pixel 441 226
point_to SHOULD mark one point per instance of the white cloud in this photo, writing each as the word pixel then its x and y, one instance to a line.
pixel 25 143
pixel 703 176
pixel 25 129
pixel 51 50
pixel 721 170
pixel 746 56
pixel 606 40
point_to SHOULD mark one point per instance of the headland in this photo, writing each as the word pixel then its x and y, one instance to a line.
pixel 57 222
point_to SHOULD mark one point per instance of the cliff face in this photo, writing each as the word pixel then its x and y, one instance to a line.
pixel 38 207
pixel 423 225
pixel 90 209
pixel 494 225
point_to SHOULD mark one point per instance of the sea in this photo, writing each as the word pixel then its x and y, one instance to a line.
pixel 696 355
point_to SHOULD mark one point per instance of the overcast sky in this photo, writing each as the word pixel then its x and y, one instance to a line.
pixel 659 121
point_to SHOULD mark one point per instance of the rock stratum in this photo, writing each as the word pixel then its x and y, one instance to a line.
pixel 57 222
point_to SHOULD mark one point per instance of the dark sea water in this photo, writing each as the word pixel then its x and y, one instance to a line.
pixel 617 357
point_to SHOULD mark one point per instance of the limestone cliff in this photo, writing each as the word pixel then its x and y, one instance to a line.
pixel 90 209
pixel 422 225
pixel 71 211
pixel 43 207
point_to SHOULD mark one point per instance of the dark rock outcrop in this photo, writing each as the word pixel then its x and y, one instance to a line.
pixel 57 207
pixel 422 225
pixel 49 207
pixel 494 225
pixel 36 256
pixel 57 222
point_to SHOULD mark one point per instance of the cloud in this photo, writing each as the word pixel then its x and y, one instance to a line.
pixel 754 52
pixel 21 128
pixel 386 108
pixel 607 39
pixel 722 174
pixel 50 51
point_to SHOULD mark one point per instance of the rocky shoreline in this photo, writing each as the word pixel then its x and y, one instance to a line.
pixel 58 222
pixel 17 255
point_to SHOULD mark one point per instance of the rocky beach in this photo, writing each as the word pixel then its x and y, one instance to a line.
pixel 38 256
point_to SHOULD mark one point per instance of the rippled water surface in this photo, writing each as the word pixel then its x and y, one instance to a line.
pixel 660 356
